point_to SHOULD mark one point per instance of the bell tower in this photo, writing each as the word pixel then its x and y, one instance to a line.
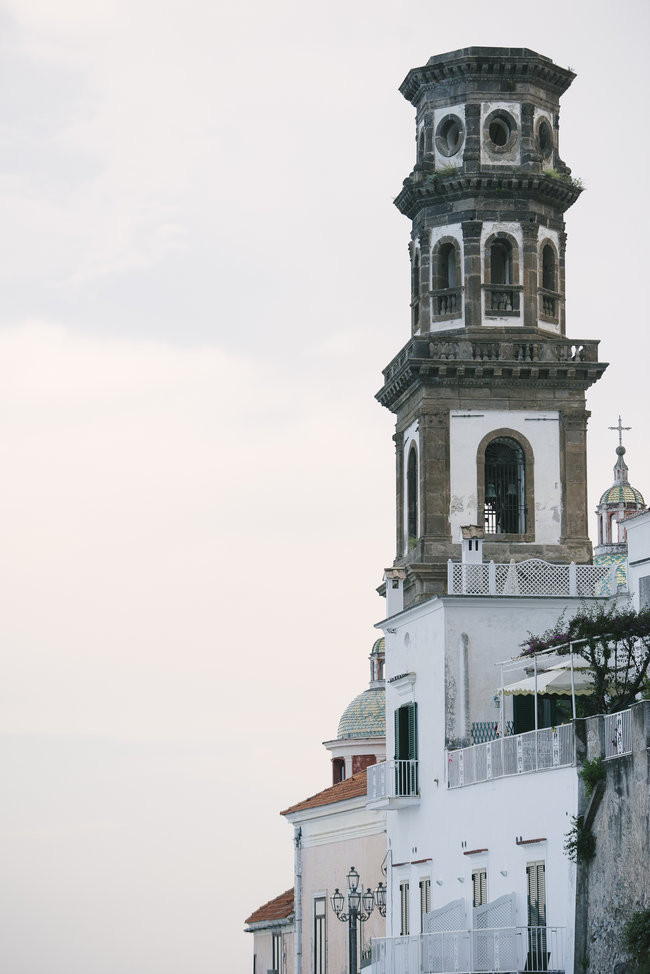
pixel 488 393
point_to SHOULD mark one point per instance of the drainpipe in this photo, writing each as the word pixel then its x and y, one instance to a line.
pixel 297 900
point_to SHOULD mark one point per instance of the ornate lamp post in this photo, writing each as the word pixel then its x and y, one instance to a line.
pixel 360 906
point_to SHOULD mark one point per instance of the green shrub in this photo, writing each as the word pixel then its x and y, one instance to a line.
pixel 636 939
pixel 580 843
pixel 593 772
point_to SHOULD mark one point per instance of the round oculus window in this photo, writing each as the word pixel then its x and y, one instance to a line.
pixel 500 131
pixel 449 135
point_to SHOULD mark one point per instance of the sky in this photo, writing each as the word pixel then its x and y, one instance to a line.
pixel 202 275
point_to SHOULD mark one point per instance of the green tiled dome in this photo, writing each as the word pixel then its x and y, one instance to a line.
pixel 379 646
pixel 365 716
pixel 622 494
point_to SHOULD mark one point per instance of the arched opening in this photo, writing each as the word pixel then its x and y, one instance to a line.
pixel 338 770
pixel 501 262
pixel 505 487
pixel 415 290
pixel 412 497
pixel 548 268
pixel 446 279
pixel 447 260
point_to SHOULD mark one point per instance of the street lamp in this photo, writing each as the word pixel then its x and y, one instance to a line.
pixel 380 898
pixel 360 906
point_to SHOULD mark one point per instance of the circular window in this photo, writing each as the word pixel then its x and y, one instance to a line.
pixel 500 131
pixel 545 138
pixel 449 135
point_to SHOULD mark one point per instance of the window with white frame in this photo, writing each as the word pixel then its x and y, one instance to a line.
pixel 404 909
pixel 320 958
pixel 277 958
pixel 425 900
pixel 479 887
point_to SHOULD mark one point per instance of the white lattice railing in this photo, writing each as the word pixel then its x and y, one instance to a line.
pixel 618 734
pixel 392 779
pixel 531 577
pixel 550 747
pixel 534 949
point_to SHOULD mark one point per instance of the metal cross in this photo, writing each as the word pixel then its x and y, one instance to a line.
pixel 620 429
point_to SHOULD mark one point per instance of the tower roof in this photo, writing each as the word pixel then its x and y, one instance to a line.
pixel 365 716
pixel 621 491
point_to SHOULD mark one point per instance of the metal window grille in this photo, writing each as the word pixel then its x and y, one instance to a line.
pixel 504 487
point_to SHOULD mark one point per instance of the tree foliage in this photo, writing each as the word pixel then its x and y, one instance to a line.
pixel 614 642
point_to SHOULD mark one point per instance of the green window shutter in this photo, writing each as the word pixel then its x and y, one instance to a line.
pixel 397 734
pixel 412 731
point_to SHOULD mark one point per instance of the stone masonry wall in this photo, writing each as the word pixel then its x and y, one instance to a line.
pixel 616 882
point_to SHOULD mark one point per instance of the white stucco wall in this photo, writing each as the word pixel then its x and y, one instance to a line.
pixel 541 429
pixel 334 838
pixel 638 555
pixel 430 838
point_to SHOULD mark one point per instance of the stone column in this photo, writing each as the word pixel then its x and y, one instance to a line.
pixel 472 272
pixel 425 281
pixel 472 153
pixel 398 440
pixel 529 154
pixel 561 282
pixel 529 275
pixel 573 431
pixel 434 475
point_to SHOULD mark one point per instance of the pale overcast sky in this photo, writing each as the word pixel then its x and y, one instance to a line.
pixel 202 276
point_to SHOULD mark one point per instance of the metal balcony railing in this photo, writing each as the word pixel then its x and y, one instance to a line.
pixel 618 734
pixel 393 780
pixel 550 747
pixel 531 949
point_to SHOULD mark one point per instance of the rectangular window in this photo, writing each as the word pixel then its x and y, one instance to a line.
pixel 537 946
pixel 320 961
pixel 479 887
pixel 277 953
pixel 406 750
pixel 425 900
pixel 404 909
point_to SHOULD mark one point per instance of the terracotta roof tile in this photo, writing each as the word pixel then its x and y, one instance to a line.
pixel 277 909
pixel 350 788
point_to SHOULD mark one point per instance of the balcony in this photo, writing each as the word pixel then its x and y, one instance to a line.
pixel 541 750
pixel 618 734
pixel 511 949
pixel 532 577
pixel 446 303
pixel 393 784
pixel 502 300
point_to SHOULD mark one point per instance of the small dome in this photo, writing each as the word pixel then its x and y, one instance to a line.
pixel 366 715
pixel 622 494
pixel 379 646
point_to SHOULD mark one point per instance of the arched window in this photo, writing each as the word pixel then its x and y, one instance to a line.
pixel 548 268
pixel 446 279
pixel 501 262
pixel 505 487
pixel 415 289
pixel 447 258
pixel 412 497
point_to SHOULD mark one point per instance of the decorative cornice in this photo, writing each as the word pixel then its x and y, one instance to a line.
pixel 445 187
pixel 529 359
pixel 482 68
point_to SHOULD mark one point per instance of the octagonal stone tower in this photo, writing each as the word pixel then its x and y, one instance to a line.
pixel 489 394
